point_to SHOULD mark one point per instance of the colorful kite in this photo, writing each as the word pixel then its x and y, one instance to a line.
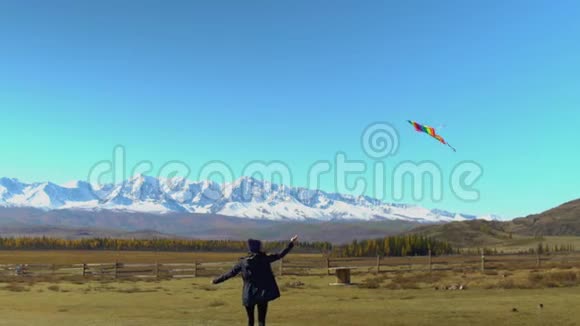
pixel 430 131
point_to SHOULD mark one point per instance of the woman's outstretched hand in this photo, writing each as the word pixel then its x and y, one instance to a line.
pixel 294 238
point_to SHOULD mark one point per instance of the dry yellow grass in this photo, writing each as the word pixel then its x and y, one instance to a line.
pixel 95 256
pixel 402 298
pixel 488 300
pixel 189 302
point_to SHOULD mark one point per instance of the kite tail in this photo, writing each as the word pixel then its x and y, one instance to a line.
pixel 451 147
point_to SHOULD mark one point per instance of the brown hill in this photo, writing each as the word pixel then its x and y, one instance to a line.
pixel 563 220
pixel 476 233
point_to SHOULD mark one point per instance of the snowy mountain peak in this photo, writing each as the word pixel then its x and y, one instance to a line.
pixel 490 217
pixel 245 197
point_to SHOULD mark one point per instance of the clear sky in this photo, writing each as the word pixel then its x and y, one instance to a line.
pixel 297 81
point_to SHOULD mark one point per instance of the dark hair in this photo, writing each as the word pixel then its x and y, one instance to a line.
pixel 255 246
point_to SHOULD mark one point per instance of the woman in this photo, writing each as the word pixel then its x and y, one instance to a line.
pixel 259 283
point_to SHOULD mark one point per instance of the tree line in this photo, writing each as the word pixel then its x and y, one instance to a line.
pixel 47 243
pixel 408 245
pixel 397 246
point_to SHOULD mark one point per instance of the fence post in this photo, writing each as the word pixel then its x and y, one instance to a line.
pixel 116 268
pixel 430 261
pixel 538 260
pixel 482 262
pixel 156 269
pixel 84 269
pixel 281 267
pixel 327 265
pixel 195 268
pixel 378 264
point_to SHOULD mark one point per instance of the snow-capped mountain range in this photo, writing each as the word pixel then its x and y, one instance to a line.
pixel 246 197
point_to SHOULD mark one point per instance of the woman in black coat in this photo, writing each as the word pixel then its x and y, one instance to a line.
pixel 259 283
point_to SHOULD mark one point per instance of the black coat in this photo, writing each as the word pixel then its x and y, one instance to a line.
pixel 259 282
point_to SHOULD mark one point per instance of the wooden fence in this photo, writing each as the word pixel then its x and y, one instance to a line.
pixel 315 265
pixel 457 262
pixel 117 270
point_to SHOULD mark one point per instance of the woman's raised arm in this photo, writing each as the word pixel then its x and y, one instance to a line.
pixel 235 271
pixel 277 256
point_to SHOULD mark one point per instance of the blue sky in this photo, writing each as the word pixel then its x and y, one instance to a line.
pixel 297 82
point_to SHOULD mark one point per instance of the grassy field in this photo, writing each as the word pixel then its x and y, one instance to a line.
pixel 95 256
pixel 385 299
pixel 525 243
pixel 401 298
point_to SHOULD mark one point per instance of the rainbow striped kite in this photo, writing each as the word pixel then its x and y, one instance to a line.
pixel 430 131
